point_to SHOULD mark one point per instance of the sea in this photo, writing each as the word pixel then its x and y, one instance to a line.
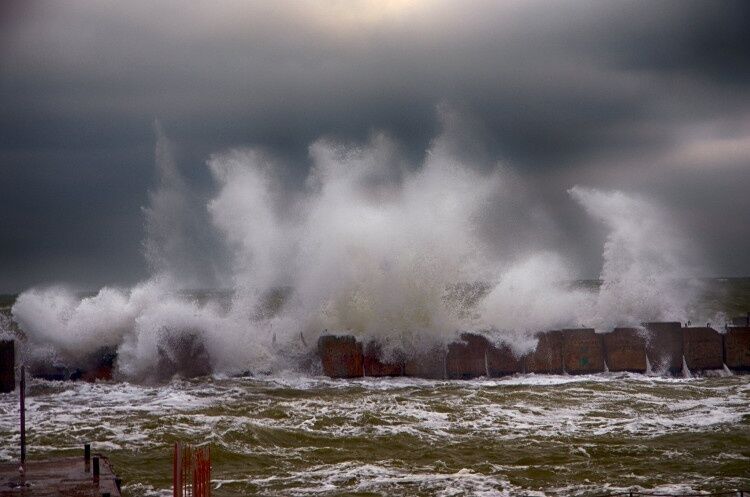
pixel 295 434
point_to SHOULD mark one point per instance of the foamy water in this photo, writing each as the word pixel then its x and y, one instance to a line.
pixel 372 246
pixel 411 255
pixel 299 435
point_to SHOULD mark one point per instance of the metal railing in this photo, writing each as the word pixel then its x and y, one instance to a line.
pixel 191 466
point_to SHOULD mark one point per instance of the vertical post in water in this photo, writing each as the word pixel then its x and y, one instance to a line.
pixel 96 469
pixel 23 419
pixel 177 471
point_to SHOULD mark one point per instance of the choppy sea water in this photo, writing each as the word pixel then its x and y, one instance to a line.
pixel 292 435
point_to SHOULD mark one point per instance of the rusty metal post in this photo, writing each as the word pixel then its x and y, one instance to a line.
pixel 177 471
pixel 87 452
pixel 96 470
pixel 23 418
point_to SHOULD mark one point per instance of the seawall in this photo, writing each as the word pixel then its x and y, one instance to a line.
pixel 663 346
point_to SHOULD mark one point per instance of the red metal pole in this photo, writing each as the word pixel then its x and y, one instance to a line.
pixel 195 483
pixel 177 471
pixel 198 475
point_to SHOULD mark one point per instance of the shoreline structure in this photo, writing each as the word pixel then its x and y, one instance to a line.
pixel 655 348
pixel 659 347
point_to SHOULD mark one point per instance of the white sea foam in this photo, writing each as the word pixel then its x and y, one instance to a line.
pixel 370 247
pixel 377 478
pixel 299 420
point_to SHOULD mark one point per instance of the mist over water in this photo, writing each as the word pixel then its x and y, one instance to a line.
pixel 370 247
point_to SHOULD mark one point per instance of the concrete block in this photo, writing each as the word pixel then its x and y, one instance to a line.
pixel 429 363
pixel 501 361
pixel 625 350
pixel 374 366
pixel 664 346
pixel 737 348
pixel 467 358
pixel 582 351
pixel 547 357
pixel 52 373
pixel 341 356
pixel 703 348
pixel 181 352
pixel 7 366
pixel 102 366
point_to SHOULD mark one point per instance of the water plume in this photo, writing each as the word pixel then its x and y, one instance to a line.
pixel 370 246
pixel 646 275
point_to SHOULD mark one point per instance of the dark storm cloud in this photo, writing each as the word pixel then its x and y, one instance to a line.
pixel 640 95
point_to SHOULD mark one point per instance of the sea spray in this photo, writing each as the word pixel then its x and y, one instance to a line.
pixel 369 247
pixel 178 246
pixel 645 270
pixel 531 296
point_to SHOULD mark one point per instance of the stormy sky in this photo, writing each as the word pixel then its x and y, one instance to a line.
pixel 650 97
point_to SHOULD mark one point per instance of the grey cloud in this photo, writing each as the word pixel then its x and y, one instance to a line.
pixel 599 93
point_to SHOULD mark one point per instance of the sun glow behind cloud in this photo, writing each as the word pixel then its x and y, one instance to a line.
pixel 338 14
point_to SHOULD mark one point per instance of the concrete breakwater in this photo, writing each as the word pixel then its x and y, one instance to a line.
pixel 657 347
pixel 664 347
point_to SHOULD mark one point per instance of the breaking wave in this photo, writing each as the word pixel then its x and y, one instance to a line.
pixel 369 246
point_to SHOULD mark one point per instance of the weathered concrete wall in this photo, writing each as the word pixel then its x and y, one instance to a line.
pixel 501 361
pixel 625 350
pixel 182 352
pixel 547 357
pixel 341 356
pixel 7 366
pixel 375 366
pixel 428 364
pixel 575 351
pixel 582 351
pixel 467 357
pixel 102 365
pixel 703 348
pixel 737 348
pixel 664 346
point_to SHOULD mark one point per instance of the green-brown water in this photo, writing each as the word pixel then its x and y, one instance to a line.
pixel 301 435
pixel 293 435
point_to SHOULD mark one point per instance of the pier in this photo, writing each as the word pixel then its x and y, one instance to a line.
pixel 66 476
